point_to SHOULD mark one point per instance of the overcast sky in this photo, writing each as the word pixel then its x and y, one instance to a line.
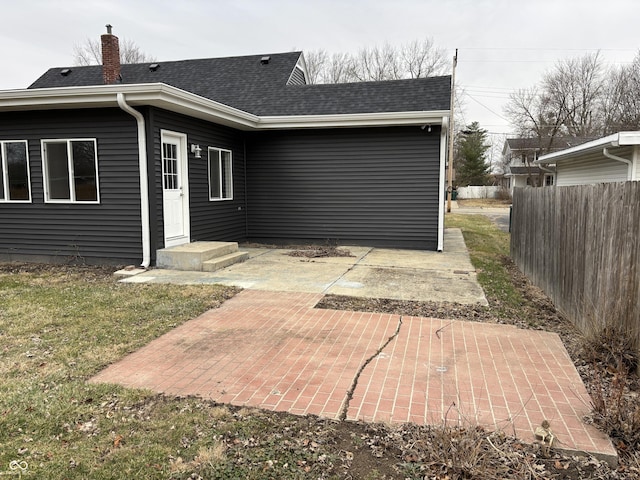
pixel 503 44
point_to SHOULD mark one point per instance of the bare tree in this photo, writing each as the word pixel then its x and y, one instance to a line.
pixel 575 87
pixel 420 58
pixel 578 98
pixel 90 53
pixel 423 59
pixel 338 69
pixel 535 113
pixel 376 63
pixel 316 61
pixel 621 99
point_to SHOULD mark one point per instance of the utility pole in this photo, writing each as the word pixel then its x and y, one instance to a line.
pixel 450 171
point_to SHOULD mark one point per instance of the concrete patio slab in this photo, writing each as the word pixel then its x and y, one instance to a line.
pixel 273 350
pixel 371 272
pixel 416 284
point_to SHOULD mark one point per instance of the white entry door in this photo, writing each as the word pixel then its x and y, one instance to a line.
pixel 175 188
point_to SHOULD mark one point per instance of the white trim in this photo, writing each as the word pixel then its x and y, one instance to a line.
pixel 616 140
pixel 72 188
pixel 443 181
pixel 184 175
pixel 144 179
pixel 302 65
pixel 4 171
pixel 219 150
pixel 386 119
pixel 177 100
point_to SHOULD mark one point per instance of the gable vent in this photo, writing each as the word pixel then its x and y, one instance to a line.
pixel 154 66
pixel 65 71
pixel 264 60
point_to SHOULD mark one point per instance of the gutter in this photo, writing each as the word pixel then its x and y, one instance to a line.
pixel 180 101
pixel 144 180
pixel 606 153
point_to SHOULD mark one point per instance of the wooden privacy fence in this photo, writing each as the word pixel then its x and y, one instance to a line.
pixel 580 245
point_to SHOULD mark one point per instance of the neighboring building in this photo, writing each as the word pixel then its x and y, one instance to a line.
pixel 110 163
pixel 615 158
pixel 519 156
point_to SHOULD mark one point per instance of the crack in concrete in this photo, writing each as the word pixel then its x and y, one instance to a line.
pixel 356 263
pixel 347 400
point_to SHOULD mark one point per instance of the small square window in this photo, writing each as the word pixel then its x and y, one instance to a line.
pixel 220 174
pixel 70 170
pixel 15 184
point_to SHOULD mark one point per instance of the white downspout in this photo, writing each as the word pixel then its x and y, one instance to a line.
pixel 441 197
pixel 144 180
pixel 629 163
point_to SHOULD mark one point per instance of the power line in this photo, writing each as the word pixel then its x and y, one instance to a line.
pixel 483 105
pixel 484 87
pixel 535 61
pixel 553 49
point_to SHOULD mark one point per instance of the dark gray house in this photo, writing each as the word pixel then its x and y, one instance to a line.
pixel 110 163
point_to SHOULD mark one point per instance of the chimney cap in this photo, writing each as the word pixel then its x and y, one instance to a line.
pixel 109 27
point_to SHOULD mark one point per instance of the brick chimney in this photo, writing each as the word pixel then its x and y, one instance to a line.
pixel 110 57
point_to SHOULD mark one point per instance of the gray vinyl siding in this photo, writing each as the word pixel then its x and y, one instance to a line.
pixel 371 186
pixel 106 232
pixel 210 220
pixel 297 77
pixel 593 168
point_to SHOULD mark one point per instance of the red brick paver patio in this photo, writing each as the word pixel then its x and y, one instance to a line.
pixel 273 350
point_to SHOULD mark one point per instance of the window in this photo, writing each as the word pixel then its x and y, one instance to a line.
pixel 170 166
pixel 15 185
pixel 220 176
pixel 548 180
pixel 70 170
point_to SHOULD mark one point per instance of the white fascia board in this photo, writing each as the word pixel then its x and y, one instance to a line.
pixel 181 101
pixel 628 138
pixel 174 99
pixel 616 140
pixel 434 117
pixel 156 94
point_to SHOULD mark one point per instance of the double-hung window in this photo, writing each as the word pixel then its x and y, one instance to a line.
pixel 15 184
pixel 220 174
pixel 70 171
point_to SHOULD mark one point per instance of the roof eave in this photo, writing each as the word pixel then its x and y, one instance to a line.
pixel 101 96
pixel 174 99
pixel 616 140
pixel 421 118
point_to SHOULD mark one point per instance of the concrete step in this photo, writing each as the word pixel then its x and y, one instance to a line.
pixel 224 261
pixel 192 256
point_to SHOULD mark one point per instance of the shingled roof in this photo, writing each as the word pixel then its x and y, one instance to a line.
pixel 260 88
pixel 537 144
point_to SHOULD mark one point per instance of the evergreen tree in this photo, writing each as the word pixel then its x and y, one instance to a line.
pixel 472 149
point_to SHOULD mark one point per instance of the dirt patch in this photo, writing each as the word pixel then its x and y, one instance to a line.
pixel 88 272
pixel 313 251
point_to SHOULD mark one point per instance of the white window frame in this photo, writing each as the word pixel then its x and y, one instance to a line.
pixel 4 171
pixel 72 189
pixel 219 151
